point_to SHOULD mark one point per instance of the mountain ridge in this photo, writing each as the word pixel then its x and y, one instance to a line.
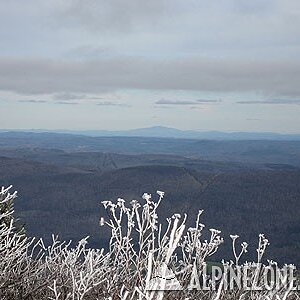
pixel 169 132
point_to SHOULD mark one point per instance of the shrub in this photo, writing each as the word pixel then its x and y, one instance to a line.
pixel 144 260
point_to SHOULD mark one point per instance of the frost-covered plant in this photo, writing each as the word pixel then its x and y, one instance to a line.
pixel 16 264
pixel 140 249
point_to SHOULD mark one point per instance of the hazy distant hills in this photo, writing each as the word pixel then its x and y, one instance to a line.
pixel 167 132
pixel 243 151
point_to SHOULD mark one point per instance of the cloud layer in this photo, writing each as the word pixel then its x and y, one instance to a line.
pixel 109 55
pixel 33 76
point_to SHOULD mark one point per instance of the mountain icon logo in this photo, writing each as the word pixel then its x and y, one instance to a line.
pixel 164 279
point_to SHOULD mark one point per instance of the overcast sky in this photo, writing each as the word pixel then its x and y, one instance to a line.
pixel 231 65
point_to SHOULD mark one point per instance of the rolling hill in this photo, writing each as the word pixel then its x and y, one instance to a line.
pixel 62 196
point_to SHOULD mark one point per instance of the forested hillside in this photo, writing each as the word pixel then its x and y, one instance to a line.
pixel 60 192
pixel 244 151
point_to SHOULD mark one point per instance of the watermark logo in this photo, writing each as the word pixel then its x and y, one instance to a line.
pixel 251 277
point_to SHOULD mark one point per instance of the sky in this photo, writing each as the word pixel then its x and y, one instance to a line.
pixel 229 65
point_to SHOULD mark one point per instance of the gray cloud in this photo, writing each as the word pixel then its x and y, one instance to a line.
pixel 66 103
pixel 89 51
pixel 256 28
pixel 186 102
pixel 110 103
pixel 110 16
pixel 175 102
pixel 34 76
pixel 32 101
pixel 253 7
pixel 73 96
pixel 69 96
pixel 196 107
pixel 272 102
pixel 208 101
